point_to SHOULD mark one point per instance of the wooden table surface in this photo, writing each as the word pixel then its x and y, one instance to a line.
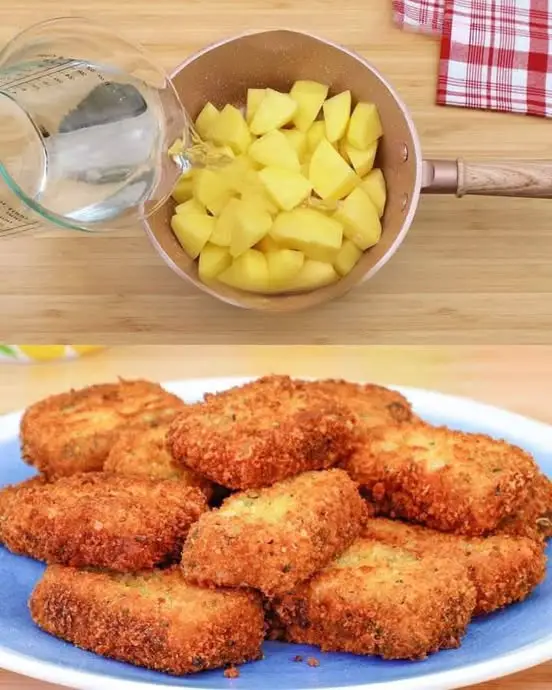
pixel 514 378
pixel 471 271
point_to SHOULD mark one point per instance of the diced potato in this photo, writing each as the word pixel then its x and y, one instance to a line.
pixel 212 261
pixel 230 128
pixel 211 190
pixel 258 196
pixel 329 174
pixel 347 257
pixel 337 111
pixel 193 231
pixel 362 160
pixel 283 266
pixel 274 149
pixel 298 140
pixel 176 147
pixel 225 224
pixel 274 111
pixel 374 185
pixel 360 219
pixel 184 189
pixel 267 244
pixel 364 126
pixel 235 172
pixel 205 120
pixel 252 224
pixel 286 187
pixel 248 272
pixel 309 96
pixel 190 206
pixel 254 98
pixel 313 275
pixel 315 134
pixel 342 148
pixel 312 232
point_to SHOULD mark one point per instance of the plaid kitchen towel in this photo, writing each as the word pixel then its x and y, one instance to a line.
pixel 495 54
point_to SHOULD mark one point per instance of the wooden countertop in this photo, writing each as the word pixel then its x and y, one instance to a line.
pixel 471 271
pixel 514 378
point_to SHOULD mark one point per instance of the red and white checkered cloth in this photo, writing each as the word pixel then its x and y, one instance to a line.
pixel 495 54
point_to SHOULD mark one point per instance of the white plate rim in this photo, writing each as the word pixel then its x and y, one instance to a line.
pixel 519 660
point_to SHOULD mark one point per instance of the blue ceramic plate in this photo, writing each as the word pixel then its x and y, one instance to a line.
pixel 499 644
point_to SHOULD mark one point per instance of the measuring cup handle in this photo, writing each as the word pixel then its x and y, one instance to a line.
pixel 531 179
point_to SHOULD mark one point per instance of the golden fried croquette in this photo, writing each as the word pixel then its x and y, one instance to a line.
pixel 503 569
pixel 144 453
pixel 377 599
pixel 534 517
pixel 449 480
pixel 101 520
pixel 372 405
pixel 254 435
pixel 273 538
pixel 151 619
pixel 73 432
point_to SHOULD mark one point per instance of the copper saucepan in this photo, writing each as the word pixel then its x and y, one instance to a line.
pixel 223 72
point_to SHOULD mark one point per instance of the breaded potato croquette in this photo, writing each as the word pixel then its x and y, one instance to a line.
pixel 152 619
pixel 372 405
pixel 274 538
pixel 449 480
pixel 381 600
pixel 503 569
pixel 255 435
pixel 534 517
pixel 144 453
pixel 73 432
pixel 101 520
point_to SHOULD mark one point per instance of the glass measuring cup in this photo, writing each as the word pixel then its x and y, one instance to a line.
pixel 86 121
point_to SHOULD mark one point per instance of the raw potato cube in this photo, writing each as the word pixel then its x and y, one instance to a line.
pixel 309 96
pixel 225 224
pixel 184 189
pixel 313 275
pixel 315 135
pixel 254 98
pixel 248 272
pixel 267 244
pixel 273 148
pixel 211 190
pixel 374 185
pixel 287 188
pixel 275 110
pixel 230 128
pixel 258 196
pixel 252 224
pixel 347 258
pixel 337 111
pixel 176 147
pixel 329 174
pixel 298 140
pixel 190 206
pixel 360 219
pixel 283 265
pixel 193 231
pixel 364 126
pixel 206 119
pixel 312 232
pixel 235 172
pixel 212 261
pixel 362 160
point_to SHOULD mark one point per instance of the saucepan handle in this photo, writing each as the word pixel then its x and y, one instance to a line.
pixel 531 179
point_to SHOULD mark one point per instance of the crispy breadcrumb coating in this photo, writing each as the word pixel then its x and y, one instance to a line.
pixel 534 517
pixel 449 480
pixel 254 435
pixel 73 432
pixel 503 569
pixel 144 453
pixel 151 619
pixel 101 520
pixel 274 538
pixel 381 600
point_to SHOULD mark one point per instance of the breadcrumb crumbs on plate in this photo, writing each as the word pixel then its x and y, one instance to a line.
pixel 311 661
pixel 232 672
pixel 297 657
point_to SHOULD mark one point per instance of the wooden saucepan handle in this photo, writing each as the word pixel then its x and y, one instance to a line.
pixel 518 178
